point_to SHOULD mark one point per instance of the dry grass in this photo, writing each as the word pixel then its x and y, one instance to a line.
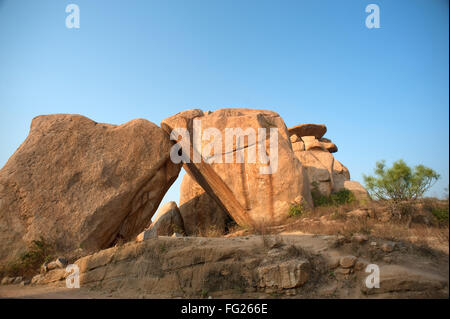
pixel 210 231
pixel 403 223
pixel 30 261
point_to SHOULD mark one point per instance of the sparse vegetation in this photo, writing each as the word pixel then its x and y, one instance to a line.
pixel 239 290
pixel 177 229
pixel 162 248
pixel 441 214
pixel 297 210
pixel 213 231
pixel 335 199
pixel 297 252
pixel 319 199
pixel 235 228
pixel 30 261
pixel 259 228
pixel 438 208
pixel 209 231
pixel 204 293
pixel 424 221
pixel 338 215
pixel 342 197
pixel 427 222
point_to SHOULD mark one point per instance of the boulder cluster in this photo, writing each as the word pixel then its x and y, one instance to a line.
pixel 87 185
pixel 325 174
pixel 319 172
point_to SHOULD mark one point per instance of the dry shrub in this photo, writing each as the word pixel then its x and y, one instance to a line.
pixel 402 211
pixel 298 252
pixel 339 210
pixel 275 242
pixel 437 208
pixel 338 222
pixel 263 228
pixel 30 261
pixel 400 228
pixel 236 230
pixel 210 231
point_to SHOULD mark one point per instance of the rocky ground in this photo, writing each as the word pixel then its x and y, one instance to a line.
pixel 286 265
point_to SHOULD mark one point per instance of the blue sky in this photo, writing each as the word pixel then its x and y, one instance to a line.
pixel 383 93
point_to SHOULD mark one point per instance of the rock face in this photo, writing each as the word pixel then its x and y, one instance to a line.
pixel 187 266
pixel 286 275
pixel 319 165
pixel 397 279
pixel 84 184
pixel 200 212
pixel 358 190
pixel 304 266
pixel 251 192
pixel 60 263
pixel 325 173
pixel 347 261
pixel 316 130
pixel 168 221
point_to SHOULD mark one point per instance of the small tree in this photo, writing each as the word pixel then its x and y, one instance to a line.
pixel 400 182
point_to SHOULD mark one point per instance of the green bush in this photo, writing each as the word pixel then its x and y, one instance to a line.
pixel 441 214
pixel 400 182
pixel 297 210
pixel 204 293
pixel 342 197
pixel 335 199
pixel 319 199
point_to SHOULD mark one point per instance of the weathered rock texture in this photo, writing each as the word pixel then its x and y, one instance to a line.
pixel 324 172
pixel 200 212
pixel 167 221
pixel 239 188
pixel 79 183
pixel 358 190
pixel 316 130
pixel 301 266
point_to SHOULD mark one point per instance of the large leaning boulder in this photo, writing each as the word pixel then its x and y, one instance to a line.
pixel 82 184
pixel 200 211
pixel 250 191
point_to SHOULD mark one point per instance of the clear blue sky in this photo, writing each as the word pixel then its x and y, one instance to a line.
pixel 383 93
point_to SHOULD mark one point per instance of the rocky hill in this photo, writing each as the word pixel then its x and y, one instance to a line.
pixel 250 220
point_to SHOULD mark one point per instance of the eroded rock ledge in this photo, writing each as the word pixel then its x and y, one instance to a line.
pixel 292 265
